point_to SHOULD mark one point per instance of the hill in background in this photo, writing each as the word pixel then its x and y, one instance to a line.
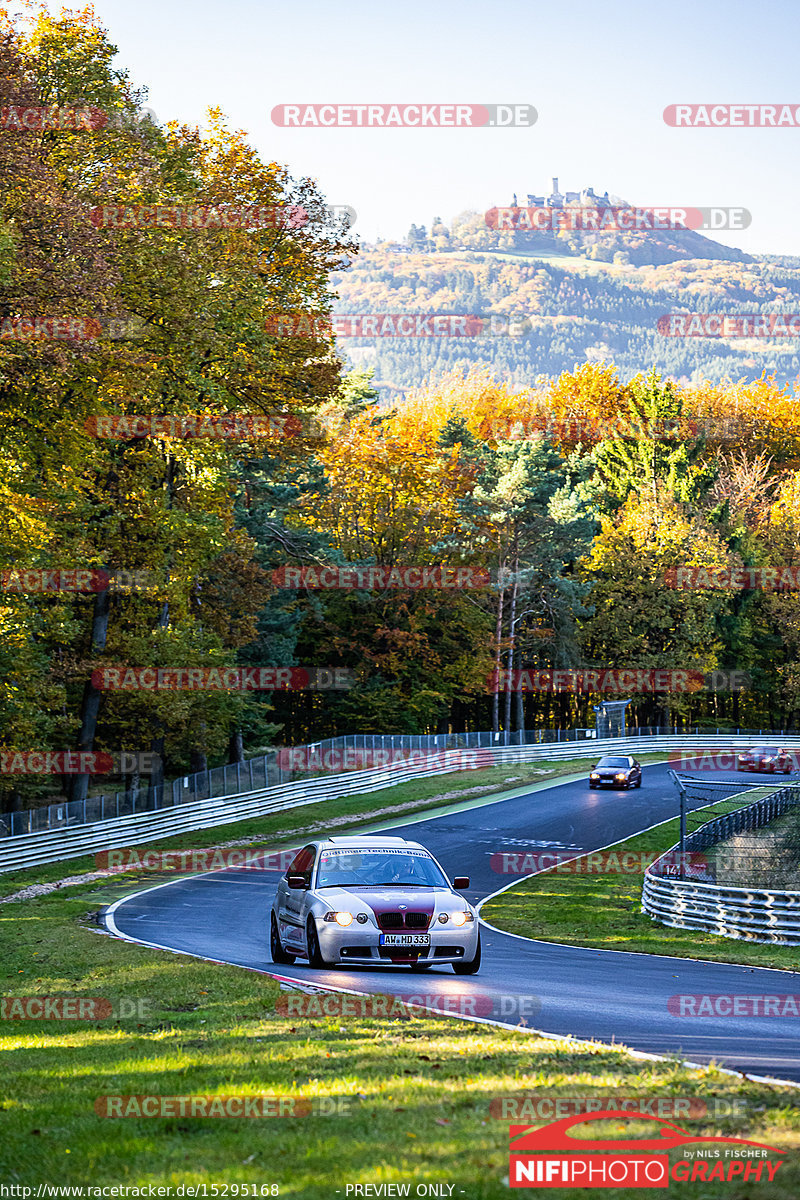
pixel 563 299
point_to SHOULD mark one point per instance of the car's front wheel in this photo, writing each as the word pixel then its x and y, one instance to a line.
pixel 279 955
pixel 639 781
pixel 469 968
pixel 315 958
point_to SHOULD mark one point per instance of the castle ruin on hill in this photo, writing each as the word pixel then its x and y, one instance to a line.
pixel 586 198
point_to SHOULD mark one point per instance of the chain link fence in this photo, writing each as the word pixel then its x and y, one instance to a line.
pixel 285 765
pixel 758 845
pixel 709 902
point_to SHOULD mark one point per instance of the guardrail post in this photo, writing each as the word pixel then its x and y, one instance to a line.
pixel 683 833
pixel 682 794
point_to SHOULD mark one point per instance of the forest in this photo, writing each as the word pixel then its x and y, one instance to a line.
pixel 176 478
pixel 550 302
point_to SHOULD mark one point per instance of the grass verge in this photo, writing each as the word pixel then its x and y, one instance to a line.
pixel 418 1090
pixel 604 911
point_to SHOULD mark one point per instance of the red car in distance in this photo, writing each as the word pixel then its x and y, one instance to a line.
pixel 766 758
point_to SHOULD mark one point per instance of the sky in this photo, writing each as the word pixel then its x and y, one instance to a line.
pixel 599 73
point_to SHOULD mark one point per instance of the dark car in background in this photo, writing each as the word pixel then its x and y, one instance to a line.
pixel 617 771
pixel 766 758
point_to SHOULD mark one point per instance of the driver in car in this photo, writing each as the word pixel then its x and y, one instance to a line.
pixel 398 869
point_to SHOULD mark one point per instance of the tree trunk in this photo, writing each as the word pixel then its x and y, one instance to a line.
pixel 498 638
pixel 198 761
pixel 236 747
pixel 10 802
pixel 132 784
pixel 155 793
pixel 520 710
pixel 512 642
pixel 76 787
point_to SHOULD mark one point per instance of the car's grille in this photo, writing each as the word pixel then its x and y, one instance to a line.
pixel 390 920
pixel 394 920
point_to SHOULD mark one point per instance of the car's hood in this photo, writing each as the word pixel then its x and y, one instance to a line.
pixel 388 899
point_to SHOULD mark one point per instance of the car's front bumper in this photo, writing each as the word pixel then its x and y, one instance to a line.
pixel 361 944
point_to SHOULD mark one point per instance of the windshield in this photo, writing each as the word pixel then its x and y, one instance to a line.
pixel 613 762
pixel 378 868
pixel 768 750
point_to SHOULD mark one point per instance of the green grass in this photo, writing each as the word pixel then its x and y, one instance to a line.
pixel 418 1089
pixel 604 911
pixel 347 812
pixel 545 254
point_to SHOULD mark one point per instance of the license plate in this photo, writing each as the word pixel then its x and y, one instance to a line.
pixel 405 939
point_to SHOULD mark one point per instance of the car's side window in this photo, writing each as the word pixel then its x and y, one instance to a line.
pixel 302 863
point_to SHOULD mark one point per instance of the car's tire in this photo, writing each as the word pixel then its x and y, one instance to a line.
pixel 470 968
pixel 315 958
pixel 639 781
pixel 279 955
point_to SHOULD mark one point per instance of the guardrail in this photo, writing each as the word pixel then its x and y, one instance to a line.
pixel 29 850
pixel 275 767
pixel 292 763
pixel 753 914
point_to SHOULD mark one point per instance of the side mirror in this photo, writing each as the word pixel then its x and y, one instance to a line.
pixel 296 882
pixel 460 882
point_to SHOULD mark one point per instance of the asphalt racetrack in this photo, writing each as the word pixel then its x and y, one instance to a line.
pixel 562 990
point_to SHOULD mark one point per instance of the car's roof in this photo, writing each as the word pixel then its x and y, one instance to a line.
pixel 368 841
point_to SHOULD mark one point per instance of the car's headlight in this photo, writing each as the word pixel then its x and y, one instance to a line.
pixel 621 778
pixel 341 918
pixel 461 918
pixel 594 775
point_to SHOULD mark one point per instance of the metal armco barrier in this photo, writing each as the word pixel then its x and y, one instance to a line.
pixel 30 850
pixel 290 764
pixel 754 914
